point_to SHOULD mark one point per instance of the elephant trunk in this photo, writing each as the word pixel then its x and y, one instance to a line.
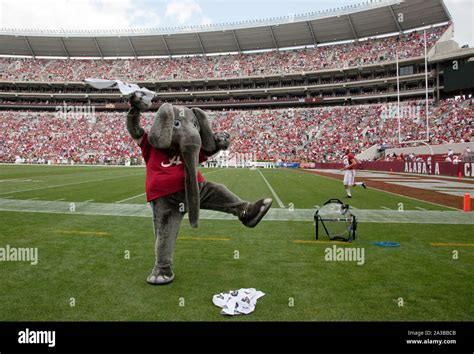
pixel 191 156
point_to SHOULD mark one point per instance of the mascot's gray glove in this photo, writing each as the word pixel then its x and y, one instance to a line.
pixel 137 103
pixel 222 140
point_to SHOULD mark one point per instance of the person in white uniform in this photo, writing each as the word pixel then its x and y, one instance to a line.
pixel 350 162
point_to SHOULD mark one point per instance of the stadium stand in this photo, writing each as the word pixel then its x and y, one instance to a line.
pixel 370 51
pixel 302 134
pixel 278 104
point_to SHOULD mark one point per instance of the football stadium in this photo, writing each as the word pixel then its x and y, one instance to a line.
pixel 380 88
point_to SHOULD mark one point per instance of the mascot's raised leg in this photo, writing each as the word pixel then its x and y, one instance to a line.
pixel 218 197
pixel 166 221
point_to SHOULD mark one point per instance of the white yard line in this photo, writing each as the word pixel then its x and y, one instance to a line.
pixel 88 201
pixel 32 198
pixel 420 208
pixel 15 180
pixel 385 208
pixel 278 200
pixel 208 173
pixel 57 200
pixel 124 200
pixel 73 183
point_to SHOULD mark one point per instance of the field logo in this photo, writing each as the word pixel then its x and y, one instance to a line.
pixel 19 254
pixel 341 254
pixel 37 337
pixel 76 112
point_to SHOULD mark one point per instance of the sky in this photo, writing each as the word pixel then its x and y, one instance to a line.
pixel 123 14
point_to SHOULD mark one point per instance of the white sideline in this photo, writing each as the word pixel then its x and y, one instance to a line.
pixel 274 214
pixel 280 204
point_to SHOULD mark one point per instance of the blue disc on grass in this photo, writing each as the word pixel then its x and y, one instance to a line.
pixel 387 244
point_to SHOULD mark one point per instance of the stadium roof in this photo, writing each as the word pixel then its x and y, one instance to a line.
pixel 372 18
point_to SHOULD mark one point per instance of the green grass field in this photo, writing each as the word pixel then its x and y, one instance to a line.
pixel 83 256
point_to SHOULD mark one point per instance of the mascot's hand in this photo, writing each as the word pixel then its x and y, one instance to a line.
pixel 136 102
pixel 222 140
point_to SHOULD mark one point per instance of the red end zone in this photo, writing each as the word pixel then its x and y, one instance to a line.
pixel 445 191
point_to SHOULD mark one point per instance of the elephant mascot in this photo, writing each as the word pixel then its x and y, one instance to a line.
pixel 179 139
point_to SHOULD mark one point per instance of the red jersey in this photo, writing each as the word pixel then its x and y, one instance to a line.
pixel 164 173
pixel 347 160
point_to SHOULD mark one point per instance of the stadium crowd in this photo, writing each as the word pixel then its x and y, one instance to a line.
pixel 322 134
pixel 318 134
pixel 42 137
pixel 198 67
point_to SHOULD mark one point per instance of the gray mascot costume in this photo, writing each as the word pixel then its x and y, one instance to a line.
pixel 175 186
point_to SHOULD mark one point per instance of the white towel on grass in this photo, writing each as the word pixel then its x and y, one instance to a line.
pixel 145 95
pixel 237 302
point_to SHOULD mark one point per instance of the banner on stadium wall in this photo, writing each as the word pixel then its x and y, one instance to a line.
pixel 326 166
pixel 288 164
pixel 468 169
pixel 423 167
pixel 307 165
pixel 262 164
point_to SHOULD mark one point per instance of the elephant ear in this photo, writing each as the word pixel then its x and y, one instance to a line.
pixel 207 137
pixel 161 132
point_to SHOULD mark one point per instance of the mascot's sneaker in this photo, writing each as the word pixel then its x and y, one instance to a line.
pixel 255 212
pixel 160 276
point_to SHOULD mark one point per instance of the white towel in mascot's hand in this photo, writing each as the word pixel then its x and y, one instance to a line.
pixel 237 302
pixel 141 93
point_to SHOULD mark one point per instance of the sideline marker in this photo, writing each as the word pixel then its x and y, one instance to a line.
pixel 459 175
pixel 467 202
